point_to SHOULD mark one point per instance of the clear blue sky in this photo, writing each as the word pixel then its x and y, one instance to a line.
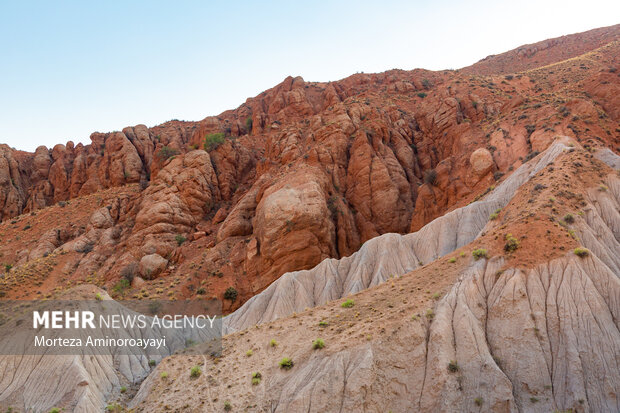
pixel 68 68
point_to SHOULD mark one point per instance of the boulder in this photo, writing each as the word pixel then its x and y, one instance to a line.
pixel 137 282
pixel 481 162
pixel 152 265
pixel 293 226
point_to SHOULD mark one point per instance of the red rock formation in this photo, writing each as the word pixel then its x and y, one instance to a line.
pixel 309 170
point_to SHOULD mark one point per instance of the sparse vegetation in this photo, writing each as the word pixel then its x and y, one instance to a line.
pixel 129 272
pixel 213 141
pixel 273 343
pixel 114 408
pixel 164 375
pixel 180 239
pixel 195 372
pixel 152 363
pixel 453 366
pixel 227 406
pixel 286 363
pixel 452 260
pixel 569 218
pixel 256 378
pixel 98 297
pixel 581 252
pixel 318 344
pixel 422 95
pixel 331 205
pixel 572 233
pixel 121 286
pixel 167 152
pixel 478 401
pixel 479 253
pixel 530 155
pixel 348 304
pixel 493 216
pixel 249 353
pixel 430 177
pixel 323 323
pixel 430 314
pixel 231 294
pixel 123 389
pixel 248 124
pixel 511 243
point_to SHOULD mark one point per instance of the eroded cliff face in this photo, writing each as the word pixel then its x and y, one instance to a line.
pixel 300 173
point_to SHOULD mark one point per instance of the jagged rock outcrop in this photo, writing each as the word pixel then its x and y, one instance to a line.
pixel 384 256
pixel 11 198
pixel 388 152
pixel 184 191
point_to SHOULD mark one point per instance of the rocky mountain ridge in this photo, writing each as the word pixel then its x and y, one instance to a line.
pixel 302 172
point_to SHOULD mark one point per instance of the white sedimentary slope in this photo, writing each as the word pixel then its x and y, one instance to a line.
pixel 34 382
pixel 536 341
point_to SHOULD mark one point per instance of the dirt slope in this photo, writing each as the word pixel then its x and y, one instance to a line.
pixel 531 56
